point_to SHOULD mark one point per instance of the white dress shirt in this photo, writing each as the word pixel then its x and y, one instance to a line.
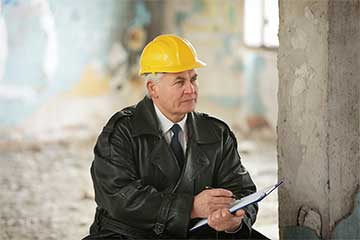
pixel 166 124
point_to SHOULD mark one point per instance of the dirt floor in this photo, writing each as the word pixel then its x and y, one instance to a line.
pixel 46 190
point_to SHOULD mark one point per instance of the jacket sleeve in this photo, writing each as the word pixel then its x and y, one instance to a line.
pixel 121 192
pixel 232 175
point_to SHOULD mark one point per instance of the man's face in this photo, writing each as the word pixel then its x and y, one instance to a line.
pixel 175 94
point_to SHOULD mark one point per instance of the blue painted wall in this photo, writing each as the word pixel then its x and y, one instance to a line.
pixel 49 43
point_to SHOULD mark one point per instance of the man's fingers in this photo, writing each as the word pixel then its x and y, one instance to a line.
pixel 225 213
pixel 220 214
pixel 240 213
pixel 221 200
pixel 218 206
pixel 219 192
pixel 222 219
pixel 210 200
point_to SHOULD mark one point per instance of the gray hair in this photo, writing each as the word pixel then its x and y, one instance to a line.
pixel 155 77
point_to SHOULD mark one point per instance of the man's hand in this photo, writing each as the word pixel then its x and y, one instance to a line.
pixel 223 220
pixel 208 201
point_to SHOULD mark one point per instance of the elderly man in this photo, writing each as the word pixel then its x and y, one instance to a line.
pixel 160 166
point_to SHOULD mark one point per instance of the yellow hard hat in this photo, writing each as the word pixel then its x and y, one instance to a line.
pixel 169 53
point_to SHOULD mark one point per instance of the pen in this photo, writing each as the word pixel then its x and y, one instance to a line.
pixel 233 196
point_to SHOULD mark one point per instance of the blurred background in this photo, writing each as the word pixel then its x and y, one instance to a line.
pixel 67 66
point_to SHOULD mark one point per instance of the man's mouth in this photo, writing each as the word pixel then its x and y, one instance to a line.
pixel 190 100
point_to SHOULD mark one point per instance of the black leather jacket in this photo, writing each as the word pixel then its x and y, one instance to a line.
pixel 139 188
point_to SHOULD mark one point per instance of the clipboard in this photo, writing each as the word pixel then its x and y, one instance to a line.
pixel 243 202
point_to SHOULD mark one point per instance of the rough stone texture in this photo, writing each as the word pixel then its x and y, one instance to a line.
pixel 318 121
pixel 343 108
pixel 301 132
pixel 309 217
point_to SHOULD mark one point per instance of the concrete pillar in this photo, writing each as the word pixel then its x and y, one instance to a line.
pixel 318 122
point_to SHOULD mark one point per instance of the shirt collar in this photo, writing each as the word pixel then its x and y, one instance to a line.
pixel 165 123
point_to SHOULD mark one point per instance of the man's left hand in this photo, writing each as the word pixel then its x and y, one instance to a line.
pixel 223 220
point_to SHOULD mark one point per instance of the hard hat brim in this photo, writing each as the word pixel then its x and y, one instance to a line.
pixel 161 69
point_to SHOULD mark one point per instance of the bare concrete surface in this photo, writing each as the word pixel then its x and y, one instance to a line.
pixel 319 112
pixel 46 189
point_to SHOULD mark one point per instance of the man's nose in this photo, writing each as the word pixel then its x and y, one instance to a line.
pixel 189 88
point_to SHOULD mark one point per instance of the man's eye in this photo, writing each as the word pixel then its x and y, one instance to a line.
pixel 179 83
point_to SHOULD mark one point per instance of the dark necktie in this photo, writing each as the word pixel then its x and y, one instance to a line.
pixel 175 145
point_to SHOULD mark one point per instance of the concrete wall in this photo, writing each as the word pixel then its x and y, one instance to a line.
pixel 318 125
pixel 344 115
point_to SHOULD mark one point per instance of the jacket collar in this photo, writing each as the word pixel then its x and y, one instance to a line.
pixel 202 129
pixel 145 122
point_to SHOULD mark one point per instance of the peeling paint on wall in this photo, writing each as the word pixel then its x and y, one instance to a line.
pixel 248 78
pixel 47 23
pixel 254 65
pixel 25 70
pixel 93 82
pixel 51 47
pixel 3 44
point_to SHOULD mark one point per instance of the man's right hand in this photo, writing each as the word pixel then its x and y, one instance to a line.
pixel 210 200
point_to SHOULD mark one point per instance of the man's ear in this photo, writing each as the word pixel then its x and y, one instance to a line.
pixel 152 89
